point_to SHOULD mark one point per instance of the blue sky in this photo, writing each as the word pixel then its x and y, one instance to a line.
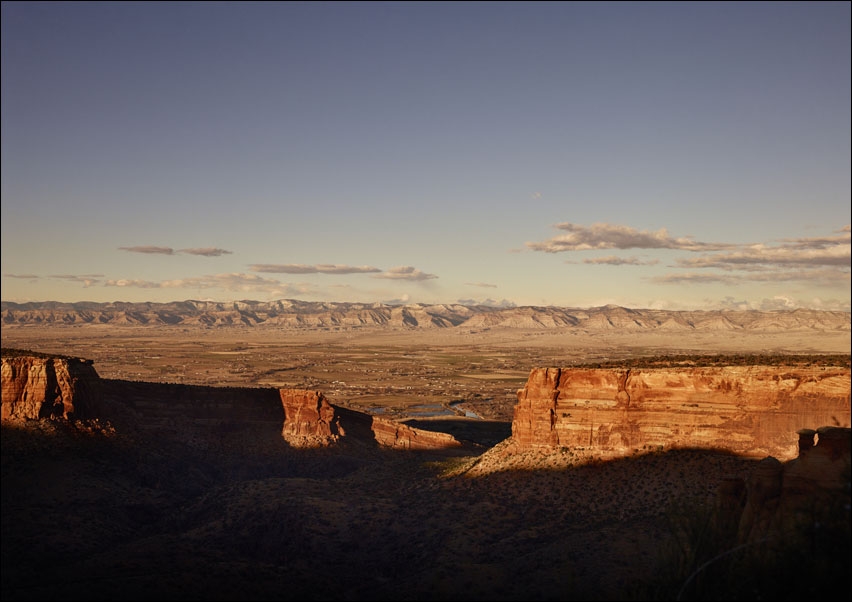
pixel 669 155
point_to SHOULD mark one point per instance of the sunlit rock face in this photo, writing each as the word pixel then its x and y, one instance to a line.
pixel 44 387
pixel 750 410
pixel 311 421
pixel 401 436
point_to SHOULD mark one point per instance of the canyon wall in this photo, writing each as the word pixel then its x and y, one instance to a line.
pixel 749 410
pixel 36 387
pixel 796 500
pixel 49 387
pixel 311 421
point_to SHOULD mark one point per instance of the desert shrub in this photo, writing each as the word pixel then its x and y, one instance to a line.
pixel 704 560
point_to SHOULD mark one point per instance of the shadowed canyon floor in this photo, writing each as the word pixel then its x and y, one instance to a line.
pixel 128 511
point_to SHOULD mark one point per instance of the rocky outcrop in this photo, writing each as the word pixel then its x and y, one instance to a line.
pixel 36 387
pixel 311 421
pixel 389 433
pixel 749 410
pixel 781 500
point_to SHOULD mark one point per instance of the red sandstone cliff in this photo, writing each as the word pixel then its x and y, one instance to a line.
pixel 49 387
pixel 311 421
pixel 389 433
pixel 752 410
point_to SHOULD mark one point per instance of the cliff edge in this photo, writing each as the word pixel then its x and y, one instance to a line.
pixel 748 410
pixel 41 386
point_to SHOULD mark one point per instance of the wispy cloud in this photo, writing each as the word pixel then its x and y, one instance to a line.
pixel 206 252
pixel 761 257
pixel 805 252
pixel 150 250
pixel 227 281
pixel 153 250
pixel 823 260
pixel 780 302
pixel 504 303
pixel 693 278
pixel 321 268
pixel 827 277
pixel 86 280
pixel 132 283
pixel 405 272
pixel 614 260
pixel 611 236
pixel 481 284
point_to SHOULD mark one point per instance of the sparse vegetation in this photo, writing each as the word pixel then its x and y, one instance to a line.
pixel 704 560
pixel 704 361
pixel 10 352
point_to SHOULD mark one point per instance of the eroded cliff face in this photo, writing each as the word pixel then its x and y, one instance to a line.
pixel 44 387
pixel 750 410
pixel 798 497
pixel 389 433
pixel 311 421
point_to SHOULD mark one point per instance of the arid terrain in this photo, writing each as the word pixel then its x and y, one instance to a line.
pixel 120 510
pixel 402 360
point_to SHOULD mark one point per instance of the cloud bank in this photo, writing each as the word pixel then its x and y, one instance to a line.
pixel 823 260
pixel 610 236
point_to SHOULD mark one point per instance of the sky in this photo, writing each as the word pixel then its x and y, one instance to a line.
pixel 650 155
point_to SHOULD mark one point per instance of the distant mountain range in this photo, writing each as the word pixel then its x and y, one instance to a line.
pixel 337 315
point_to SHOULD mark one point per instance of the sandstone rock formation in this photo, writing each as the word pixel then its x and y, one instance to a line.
pixel 749 410
pixel 311 421
pixel 808 494
pixel 36 387
pixel 389 433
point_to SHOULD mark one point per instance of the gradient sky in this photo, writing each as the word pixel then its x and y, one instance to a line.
pixel 668 155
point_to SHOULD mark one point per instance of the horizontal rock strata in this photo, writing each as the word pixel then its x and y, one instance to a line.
pixel 36 387
pixel 311 421
pixel 750 410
